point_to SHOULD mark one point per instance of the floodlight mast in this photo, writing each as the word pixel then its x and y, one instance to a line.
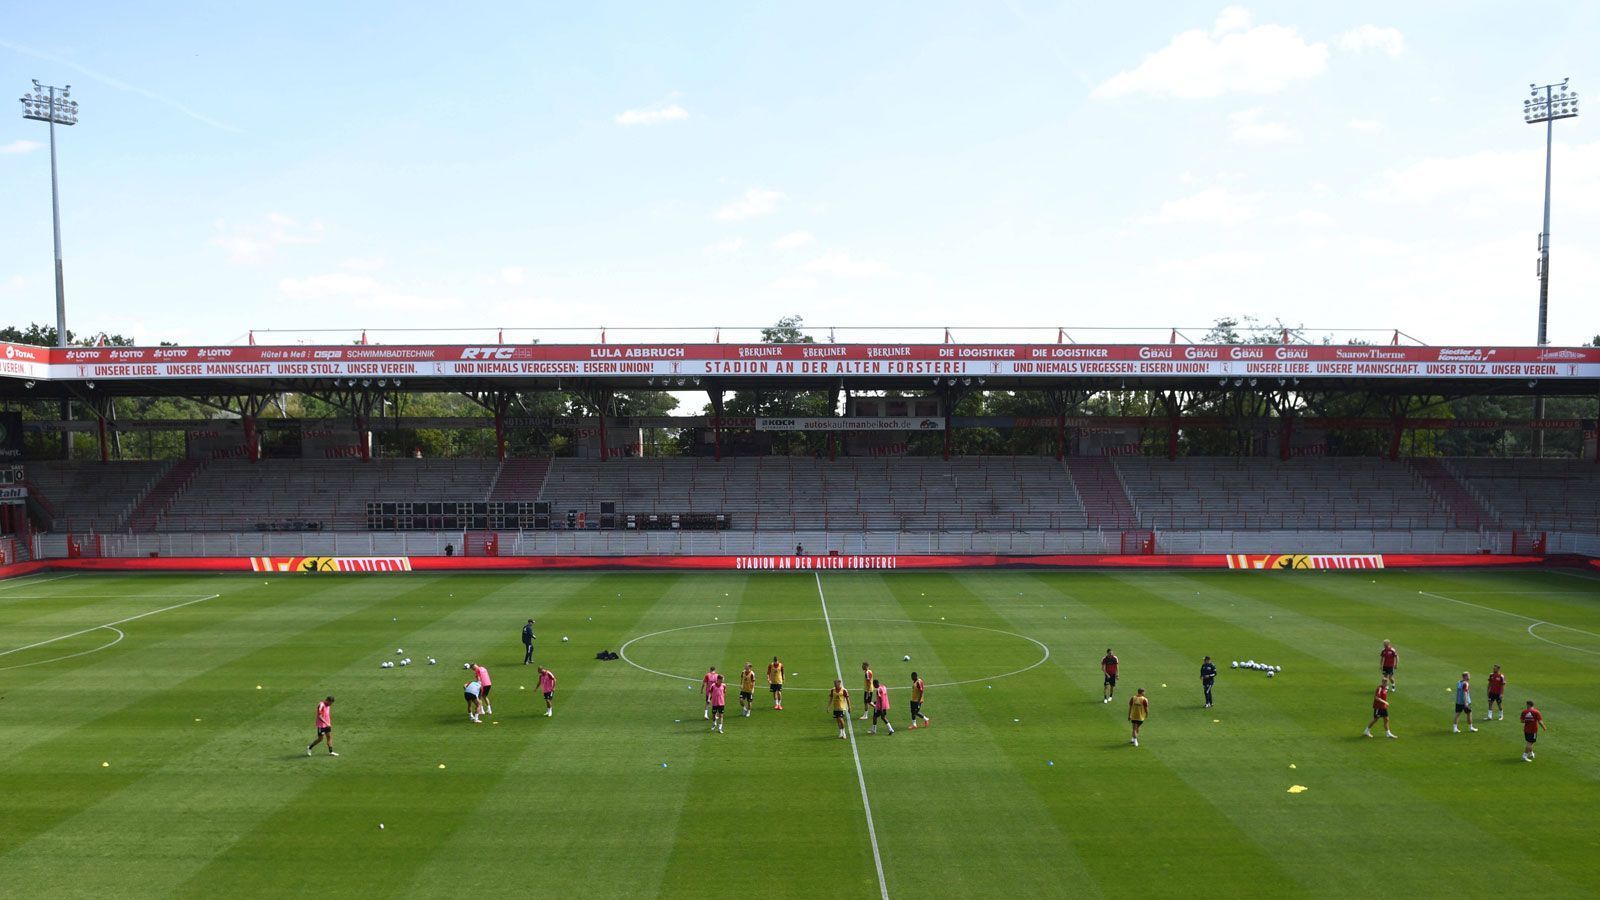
pixel 1546 104
pixel 48 103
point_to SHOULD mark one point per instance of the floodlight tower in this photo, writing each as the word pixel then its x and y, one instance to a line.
pixel 1546 104
pixel 48 103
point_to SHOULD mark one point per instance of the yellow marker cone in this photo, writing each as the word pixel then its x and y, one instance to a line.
pixel 1298 789
pixel 105 765
pixel 1291 765
pixel 441 765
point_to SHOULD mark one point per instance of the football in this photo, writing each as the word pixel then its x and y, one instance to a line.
pixel 906 658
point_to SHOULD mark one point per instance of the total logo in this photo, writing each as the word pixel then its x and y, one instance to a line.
pixel 486 352
pixel 10 351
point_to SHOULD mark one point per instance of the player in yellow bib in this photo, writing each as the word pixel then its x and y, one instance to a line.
pixel 917 689
pixel 868 692
pixel 775 682
pixel 747 689
pixel 839 702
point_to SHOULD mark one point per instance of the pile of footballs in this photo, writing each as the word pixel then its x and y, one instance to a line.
pixel 1259 667
pixel 404 661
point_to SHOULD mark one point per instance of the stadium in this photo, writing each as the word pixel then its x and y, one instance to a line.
pixel 1013 611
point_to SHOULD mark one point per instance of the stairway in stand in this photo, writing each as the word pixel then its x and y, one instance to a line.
pixel 1457 500
pixel 1104 498
pixel 155 504
pixel 520 479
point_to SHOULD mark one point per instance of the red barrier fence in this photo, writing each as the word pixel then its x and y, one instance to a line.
pixel 775 563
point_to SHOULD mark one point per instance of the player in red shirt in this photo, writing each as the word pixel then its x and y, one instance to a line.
pixel 1380 710
pixel 1388 658
pixel 1497 690
pixel 1532 722
pixel 1108 665
pixel 325 726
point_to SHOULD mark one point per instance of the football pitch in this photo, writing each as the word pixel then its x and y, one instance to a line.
pixel 153 733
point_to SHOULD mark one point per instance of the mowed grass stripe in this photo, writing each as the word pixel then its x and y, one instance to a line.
pixel 1350 773
pixel 1437 640
pixel 791 754
pixel 178 776
pixel 1141 798
pixel 584 801
pixel 955 770
pixel 394 779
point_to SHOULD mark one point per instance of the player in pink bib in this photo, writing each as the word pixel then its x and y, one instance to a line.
pixel 719 702
pixel 484 683
pixel 707 681
pixel 324 726
pixel 880 707
pixel 547 684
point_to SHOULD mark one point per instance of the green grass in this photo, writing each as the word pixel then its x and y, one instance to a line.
pixel 208 792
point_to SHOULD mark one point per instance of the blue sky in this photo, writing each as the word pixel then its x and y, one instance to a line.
pixel 938 164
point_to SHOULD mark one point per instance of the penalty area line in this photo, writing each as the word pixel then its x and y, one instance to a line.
pixel 855 754
pixel 110 625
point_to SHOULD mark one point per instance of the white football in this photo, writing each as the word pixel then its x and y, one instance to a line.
pixel 564 639
pixel 466 665
pixel 905 658
pixel 398 651
pixel 1271 673
pixel 432 661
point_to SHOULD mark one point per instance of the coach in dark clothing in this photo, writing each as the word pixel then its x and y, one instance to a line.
pixel 1208 677
pixel 527 643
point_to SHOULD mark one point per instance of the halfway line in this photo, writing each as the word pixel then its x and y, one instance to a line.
pixel 861 778
pixel 109 624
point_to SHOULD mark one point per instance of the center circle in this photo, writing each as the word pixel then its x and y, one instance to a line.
pixel 1044 650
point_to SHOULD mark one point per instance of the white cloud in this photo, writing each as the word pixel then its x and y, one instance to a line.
pixel 725 246
pixel 1226 262
pixel 361 291
pixel 793 284
pixel 1368 125
pixel 1248 128
pixel 513 275
pixel 324 287
pixel 20 146
pixel 651 115
pixel 755 202
pixel 1496 183
pixel 1232 56
pixel 794 240
pixel 1311 218
pixel 254 243
pixel 1371 37
pixel 1212 206
pixel 363 263
pixel 1233 18
pixel 840 264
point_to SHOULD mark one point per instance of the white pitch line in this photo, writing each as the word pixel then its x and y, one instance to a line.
pixel 14 584
pixel 1043 658
pixel 861 778
pixel 109 624
pixel 1536 622
pixel 114 641
pixel 1535 635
